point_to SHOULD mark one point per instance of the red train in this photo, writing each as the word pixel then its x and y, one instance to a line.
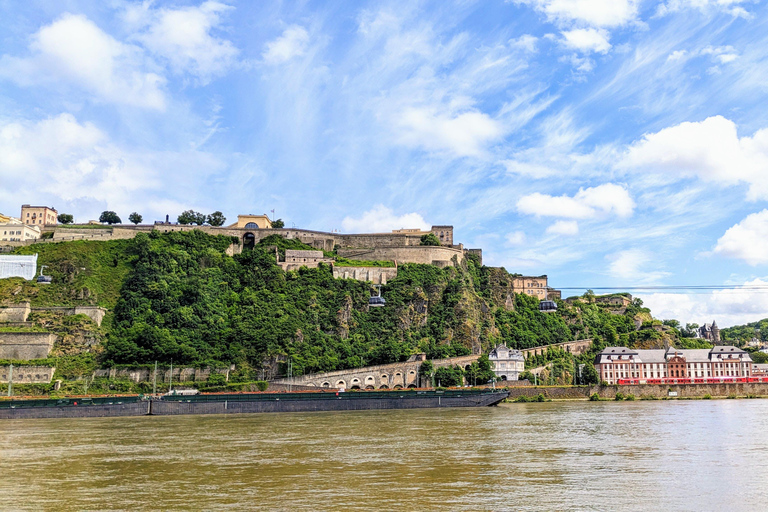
pixel 693 380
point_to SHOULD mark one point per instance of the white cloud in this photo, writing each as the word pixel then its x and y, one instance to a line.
pixel 526 42
pixel 292 43
pixel 721 54
pixel 586 40
pixel 73 49
pixel 634 266
pixel 464 133
pixel 68 160
pixel 182 36
pixel 736 306
pixel 587 203
pixel 677 55
pixel 731 7
pixel 597 13
pixel 747 240
pixel 564 227
pixel 516 238
pixel 381 219
pixel 710 150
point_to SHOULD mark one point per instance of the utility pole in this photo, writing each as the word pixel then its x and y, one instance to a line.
pixel 290 374
pixel 10 381
pixel 170 380
pixel 154 381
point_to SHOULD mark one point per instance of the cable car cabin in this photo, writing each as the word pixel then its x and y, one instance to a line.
pixel 377 301
pixel 547 306
pixel 41 279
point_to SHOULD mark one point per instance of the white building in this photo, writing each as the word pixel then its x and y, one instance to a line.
pixel 17 232
pixel 615 363
pixel 507 363
pixel 18 266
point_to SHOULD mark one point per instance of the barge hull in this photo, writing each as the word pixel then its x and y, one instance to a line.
pixel 259 403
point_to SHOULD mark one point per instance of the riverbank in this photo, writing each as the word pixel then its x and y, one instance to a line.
pixel 644 391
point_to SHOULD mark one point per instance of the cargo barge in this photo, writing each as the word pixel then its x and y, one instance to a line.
pixel 237 403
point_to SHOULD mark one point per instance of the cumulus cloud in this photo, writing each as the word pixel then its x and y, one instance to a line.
pixel 740 305
pixel 182 36
pixel 381 219
pixel 747 240
pixel 710 149
pixel 596 13
pixel 292 43
pixel 462 133
pixel 564 227
pixel 586 40
pixel 525 42
pixel 68 160
pixel 74 50
pixel 587 203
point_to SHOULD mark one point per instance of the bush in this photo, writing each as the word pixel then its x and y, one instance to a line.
pixel 630 397
pixel 707 397
pixel 262 385
pixel 594 397
pixel 216 379
pixel 619 396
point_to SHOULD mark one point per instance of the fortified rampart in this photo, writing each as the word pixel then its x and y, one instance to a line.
pixel 15 312
pixel 430 255
pixel 180 374
pixel 385 376
pixel 18 314
pixel 26 345
pixel 27 374
pixel 377 275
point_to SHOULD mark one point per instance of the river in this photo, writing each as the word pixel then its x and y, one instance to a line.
pixel 644 455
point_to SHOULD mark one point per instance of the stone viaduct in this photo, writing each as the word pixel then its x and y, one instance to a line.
pixel 385 376
pixel 576 348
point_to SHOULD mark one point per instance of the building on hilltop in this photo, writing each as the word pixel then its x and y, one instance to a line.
pixel 38 215
pixel 17 232
pixel 709 332
pixel 507 363
pixel 252 222
pixel 615 363
pixel 535 286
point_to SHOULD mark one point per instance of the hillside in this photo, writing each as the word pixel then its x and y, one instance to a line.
pixel 178 297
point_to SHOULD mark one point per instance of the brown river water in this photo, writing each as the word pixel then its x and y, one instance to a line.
pixel 644 455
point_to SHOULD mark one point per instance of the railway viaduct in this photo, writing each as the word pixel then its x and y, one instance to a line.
pixel 385 376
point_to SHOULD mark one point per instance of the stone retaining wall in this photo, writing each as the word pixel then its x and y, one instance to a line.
pixel 26 345
pixel 27 374
pixel 645 390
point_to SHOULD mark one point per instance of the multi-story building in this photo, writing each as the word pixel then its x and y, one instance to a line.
pixel 17 232
pixel 615 363
pixel 709 332
pixel 252 222
pixel 507 363
pixel 38 215
pixel 535 286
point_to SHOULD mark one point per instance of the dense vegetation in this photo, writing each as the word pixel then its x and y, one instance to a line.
pixel 177 297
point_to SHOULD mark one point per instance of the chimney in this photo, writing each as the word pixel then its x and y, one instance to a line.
pixel 166 218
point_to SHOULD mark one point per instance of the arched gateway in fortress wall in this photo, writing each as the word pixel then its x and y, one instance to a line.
pixel 385 376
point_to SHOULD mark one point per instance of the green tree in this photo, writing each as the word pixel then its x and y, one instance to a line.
pixel 65 218
pixel 429 239
pixel 589 374
pixel 449 376
pixel 427 369
pixel 278 224
pixel 135 218
pixel 109 217
pixel 216 219
pixel 191 217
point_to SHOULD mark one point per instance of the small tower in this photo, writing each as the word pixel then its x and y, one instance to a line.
pixel 715 333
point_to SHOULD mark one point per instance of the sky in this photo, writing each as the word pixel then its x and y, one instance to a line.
pixel 605 143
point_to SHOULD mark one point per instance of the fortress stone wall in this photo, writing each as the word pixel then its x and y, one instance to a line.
pixel 376 275
pixel 26 345
pixel 180 374
pixel 27 374
pixel 15 312
pixel 430 255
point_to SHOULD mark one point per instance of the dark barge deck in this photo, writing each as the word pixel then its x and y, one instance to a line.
pixel 237 403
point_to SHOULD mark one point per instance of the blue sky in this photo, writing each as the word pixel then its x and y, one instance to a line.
pixel 602 142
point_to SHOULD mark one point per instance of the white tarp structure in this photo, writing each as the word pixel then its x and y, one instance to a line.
pixel 18 266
